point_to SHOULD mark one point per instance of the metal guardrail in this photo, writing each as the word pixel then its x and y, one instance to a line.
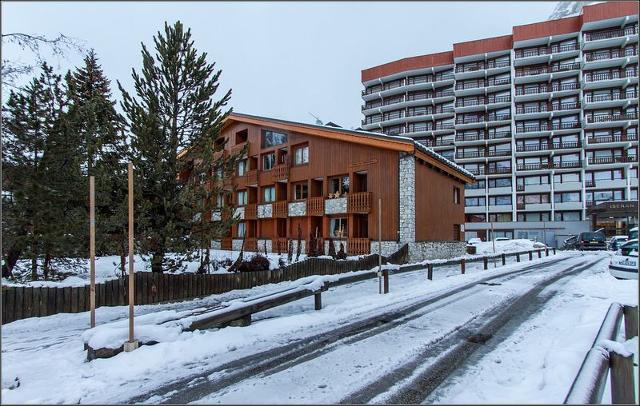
pixel 589 384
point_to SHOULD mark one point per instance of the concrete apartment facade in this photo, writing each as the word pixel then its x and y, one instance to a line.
pixel 546 118
pixel 326 181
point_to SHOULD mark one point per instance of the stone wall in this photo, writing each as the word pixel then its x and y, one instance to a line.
pixel 335 206
pixel 336 244
pixel 388 247
pixel 297 209
pixel 236 245
pixel 265 211
pixel 407 198
pixel 422 250
pixel 261 244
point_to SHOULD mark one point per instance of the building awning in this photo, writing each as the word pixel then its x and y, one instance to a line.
pixel 624 208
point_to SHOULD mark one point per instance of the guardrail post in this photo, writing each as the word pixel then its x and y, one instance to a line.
pixel 385 277
pixel 430 272
pixel 462 266
pixel 630 321
pixel 546 251
pixel 317 298
pixel 539 253
pixel 530 256
pixel 622 388
pixel 504 259
pixel 485 262
pixel 517 257
pixel 554 251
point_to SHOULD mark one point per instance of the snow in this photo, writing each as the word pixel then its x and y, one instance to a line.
pixel 47 352
pixel 517 245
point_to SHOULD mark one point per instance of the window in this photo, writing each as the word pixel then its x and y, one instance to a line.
pixel 503 200
pixel 567 216
pixel 268 161
pixel 242 167
pixel 480 184
pixel 475 218
pixel 566 197
pixel 300 191
pixel 500 217
pixel 268 194
pixel 272 138
pixel 242 197
pixel 474 201
pixel 241 136
pixel 301 155
pixel 338 186
pixel 219 200
pixel 456 195
pixel 338 227
pixel 500 182
pixel 242 230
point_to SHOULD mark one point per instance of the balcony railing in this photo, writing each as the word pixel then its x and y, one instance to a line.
pixel 463 102
pixel 470 154
pixel 358 246
pixel 519 188
pixel 546 126
pixel 281 172
pixel 556 87
pixel 368 106
pixel 620 32
pixel 604 139
pixel 609 54
pixel 475 84
pixel 476 66
pixel 484 136
pixel 589 183
pixel 359 203
pixel 251 177
pixel 547 69
pixel 616 74
pixel 591 98
pixel 612 159
pixel 470 119
pixel 497 171
pixel 394 100
pixel 280 209
pixel 315 206
pixel 611 117
pixel 546 107
pixel 526 53
pixel 280 244
pixel 251 211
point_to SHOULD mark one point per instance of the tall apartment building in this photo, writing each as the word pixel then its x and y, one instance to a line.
pixel 546 118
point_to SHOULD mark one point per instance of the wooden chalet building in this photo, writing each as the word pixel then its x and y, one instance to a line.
pixel 328 180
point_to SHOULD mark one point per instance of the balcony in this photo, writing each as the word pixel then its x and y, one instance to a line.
pixel 478 84
pixel 547 107
pixel 546 126
pixel 315 206
pixel 475 119
pixel 251 211
pixel 237 149
pixel 280 209
pixel 547 50
pixel 280 244
pixel 226 243
pixel 497 171
pixel 616 74
pixel 556 87
pixel 251 244
pixel 603 55
pixel 251 177
pixel 608 34
pixel 524 72
pixel 477 66
pixel 535 166
pixel 280 172
pixel 612 138
pixel 470 154
pixel 602 98
pixel 619 159
pixel 359 203
pixel 591 119
pixel 358 246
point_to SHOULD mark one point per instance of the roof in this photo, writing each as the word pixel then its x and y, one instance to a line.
pixel 384 141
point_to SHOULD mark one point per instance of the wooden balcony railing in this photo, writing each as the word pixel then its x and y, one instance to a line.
pixel 236 149
pixel 251 244
pixel 226 243
pixel 251 211
pixel 280 209
pixel 251 177
pixel 280 172
pixel 358 246
pixel 315 206
pixel 359 203
pixel 280 244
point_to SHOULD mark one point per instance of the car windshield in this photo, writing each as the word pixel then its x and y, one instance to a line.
pixel 633 234
pixel 592 236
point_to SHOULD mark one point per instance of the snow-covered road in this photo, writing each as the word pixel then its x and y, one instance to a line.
pixel 279 358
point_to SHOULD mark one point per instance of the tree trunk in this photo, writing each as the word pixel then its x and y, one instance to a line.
pixel 34 262
pixel 11 260
pixel 46 266
pixel 156 262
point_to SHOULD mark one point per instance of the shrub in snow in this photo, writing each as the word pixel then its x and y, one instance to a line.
pixel 257 262
pixel 341 254
pixel 281 263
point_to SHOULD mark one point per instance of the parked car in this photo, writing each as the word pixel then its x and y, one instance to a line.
pixel 591 241
pixel 616 241
pixel 474 241
pixel 570 243
pixel 633 234
pixel 624 264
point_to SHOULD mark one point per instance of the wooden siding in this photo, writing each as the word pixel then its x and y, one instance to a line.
pixel 435 211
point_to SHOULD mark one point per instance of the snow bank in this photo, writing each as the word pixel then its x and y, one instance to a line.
pixel 485 248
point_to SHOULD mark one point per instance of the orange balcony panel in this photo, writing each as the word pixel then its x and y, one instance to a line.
pixel 315 206
pixel 251 211
pixel 280 209
pixel 359 203
pixel 358 246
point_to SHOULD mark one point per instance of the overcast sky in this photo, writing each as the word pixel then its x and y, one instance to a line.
pixel 282 59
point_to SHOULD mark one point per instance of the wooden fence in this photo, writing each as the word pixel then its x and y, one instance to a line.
pixel 21 302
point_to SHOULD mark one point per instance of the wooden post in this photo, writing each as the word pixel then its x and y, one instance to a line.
pixel 92 250
pixel 504 259
pixel 430 272
pixel 530 256
pixel 539 253
pixel 318 301
pixel 385 275
pixel 380 245
pixel 517 257
pixel 622 382
pixel 485 262
pixel 554 251
pixel 462 266
pixel 630 321
pixel 546 251
pixel 132 343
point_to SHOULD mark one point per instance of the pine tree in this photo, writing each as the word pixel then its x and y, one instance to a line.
pixel 174 111
pixel 98 129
